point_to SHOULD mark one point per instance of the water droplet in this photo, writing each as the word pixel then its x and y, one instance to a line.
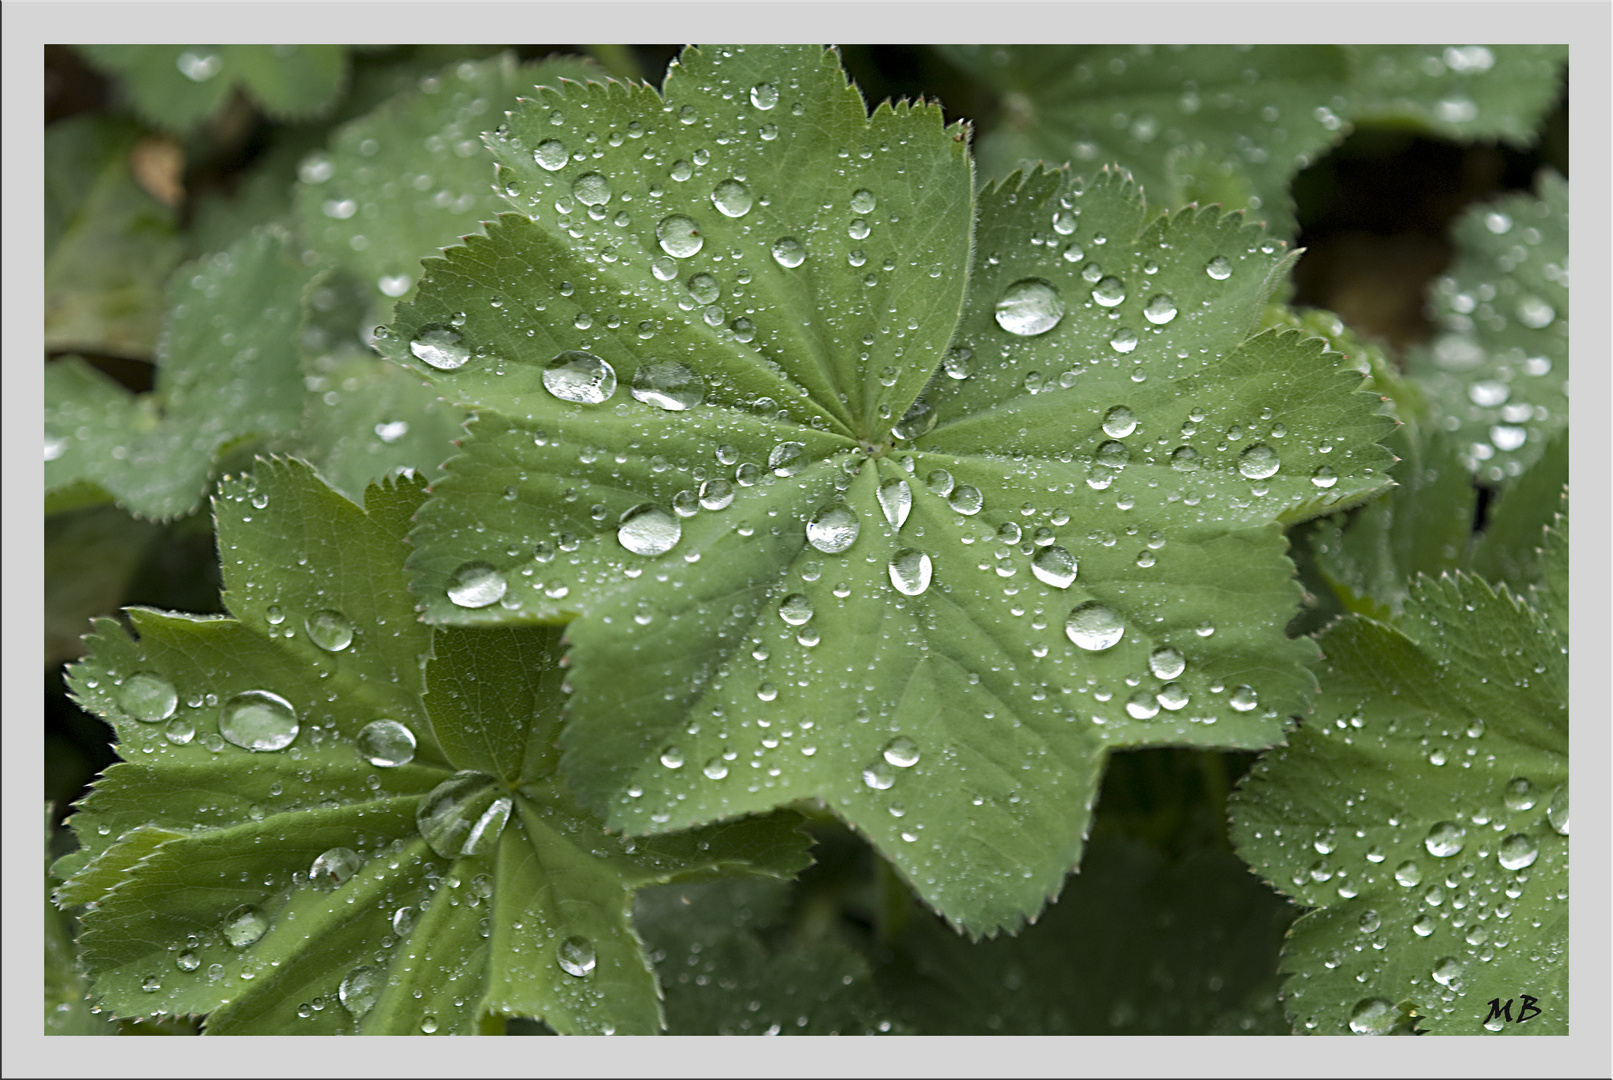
pixel 1259 461
pixel 199 68
pixel 966 499
pixel 764 96
pixel 1142 706
pixel 243 926
pixel 1055 566
pixel 901 752
pixel 715 769
pixel 1409 874
pixel 258 720
pixel 579 376
pixel 788 252
pixel 1535 313
pixel 916 421
pixel 403 920
pixel 679 236
pixel 359 991
pixel 1166 663
pixel 1447 970
pixel 1518 851
pixel 463 815
pixel 442 347
pixel 1424 925
pixel 151 984
pixel 649 529
pixel 187 961
pixel 591 189
pixel 1094 627
pixel 330 630
pixel 1520 794
pixel 1218 268
pixel 148 697
pixel 672 757
pixel 1124 341
pixel 334 867
pixel 1109 292
pixel 1185 459
pixel 732 198
pixel 1243 698
pixel 1324 477
pixel 795 609
pixel 959 363
pixel 833 529
pixel 939 482
pixel 879 776
pixel 1557 812
pixel 668 385
pixel 1374 1016
pixel 1029 307
pixel 180 730
pixel 716 494
pixel 1444 839
pixel 1160 310
pixel 575 955
pixel 1172 696
pixel 863 201
pixel 386 744
pixel 551 154
pixel 787 458
pixel 476 585
pixel 910 571
pixel 896 499
pixel 1119 422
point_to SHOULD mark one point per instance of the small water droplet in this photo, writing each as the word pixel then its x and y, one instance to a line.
pixel 833 529
pixel 148 697
pixel 1219 268
pixel 575 956
pixel 199 68
pixel 1445 839
pixel 1054 565
pixel 1424 925
pixel 787 458
pixel 668 385
pixel 863 201
pixel 386 744
pixel 679 236
pixel 580 377
pixel 959 363
pixel 1109 292
pixel 939 482
pixel 1185 459
pixel 916 421
pixel 1142 706
pixel 896 499
pixel 1520 794
pixel 715 769
pixel 334 867
pixel 1447 970
pixel 1243 698
pixel 1160 310
pixel 551 154
pixel 901 752
pixel 258 720
pixel 1518 851
pixel 716 494
pixel 1166 663
pixel 732 198
pixel 879 776
pixel 1094 627
pixel 330 630
pixel 672 757
pixel 180 730
pixel 273 615
pixel 1258 462
pixel 1172 696
pixel 359 991
pixel 1119 422
pixel 966 499
pixel 788 252
pixel 243 926
pixel 1374 1016
pixel 476 585
pixel 1557 812
pixel 591 189
pixel 442 347
pixel 1409 874
pixel 1029 307
pixel 764 96
pixel 795 609
pixel 151 984
pixel 649 529
pixel 1535 313
pixel 1324 477
pixel 910 571
pixel 187 961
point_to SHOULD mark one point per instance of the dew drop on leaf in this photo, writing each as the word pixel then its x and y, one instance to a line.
pixel 476 585
pixel 1094 627
pixel 833 529
pixel 795 609
pixel 878 776
pixel 579 376
pixel 1518 851
pixel 1109 292
pixel 679 236
pixel 151 984
pixel 1219 268
pixel 716 494
pixel 386 744
pixel 966 499
pixel 148 697
pixel 916 421
pixel 1142 706
pixel 1119 422
pixel 591 189
pixel 1409 874
pixel 786 458
pixel 1166 663
pixel 959 363
pixel 258 720
pixel 1447 970
pixel 463 815
pixel 1029 307
pixel 939 482
pixel 1557 812
pixel 442 347
pixel 330 630
pixel 764 96
pixel 715 769
pixel 788 252
pixel 910 571
pixel 901 752
pixel 187 961
pixel 649 529
pixel 1520 794
pixel 668 385
pixel 575 956
pixel 863 201
pixel 672 757
pixel 732 198
pixel 1258 462
pixel 1160 310
pixel 1324 477
pixel 243 926
pixel 1445 839
pixel 1185 459
pixel 180 730
pixel 1373 1016
pixel 551 154
pixel 896 499
pixel 1172 696
pixel 334 867
pixel 360 990
pixel 1243 698
pixel 1055 566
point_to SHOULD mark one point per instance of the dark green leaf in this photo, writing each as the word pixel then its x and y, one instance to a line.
pixel 1509 548
pixel 90 555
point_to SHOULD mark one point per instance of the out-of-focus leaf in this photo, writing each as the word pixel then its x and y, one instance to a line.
pixel 90 555
pixel 178 86
pixel 1509 549
pixel 1468 93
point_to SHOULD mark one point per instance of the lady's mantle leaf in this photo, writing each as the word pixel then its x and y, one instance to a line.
pixel 1424 816
pixel 178 86
pixel 316 830
pixel 798 577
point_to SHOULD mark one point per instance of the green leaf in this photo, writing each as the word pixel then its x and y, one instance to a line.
pixel 1137 945
pixel 1468 93
pixel 178 86
pixel 413 176
pixel 934 637
pixel 109 244
pixel 340 877
pixel 1509 548
pixel 1422 815
pixel 218 382
pixel 1497 375
pixel 91 553
pixel 67 1002
pixel 723 976
pixel 1203 123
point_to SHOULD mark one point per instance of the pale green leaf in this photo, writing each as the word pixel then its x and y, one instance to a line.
pixel 1468 93
pixel 1422 815
pixel 178 86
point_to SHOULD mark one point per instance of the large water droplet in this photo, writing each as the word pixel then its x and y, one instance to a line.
pixel 788 252
pixel 359 991
pixel 1218 268
pixel 1557 812
pixel 1374 1016
pixel 901 752
pixel 551 154
pixel 1259 461
pixel 795 609
pixel 1185 459
pixel 672 757
pixel 1243 698
pixel 442 347
pixel 187 961
pixel 1112 454
pixel 575 955
pixel 879 776
pixel 476 585
pixel 591 189
pixel 668 385
pixel 148 697
pixel 715 769
pixel 649 529
pixel 258 720
pixel 1520 794
pixel 732 198
pixel 764 96
pixel 786 458
pixel 1447 970
pixel 579 376
pixel 1445 839
pixel 1119 422
pixel 716 494
pixel 1535 313
pixel 939 482
pixel 1324 477
pixel 243 926
pixel 463 815
pixel 386 744
pixel 679 236
pixel 959 363
pixel 1055 566
pixel 1518 851
pixel 1094 627
pixel 966 499
pixel 1160 310
pixel 1029 307
pixel 863 201
pixel 334 867
pixel 1173 696
pixel 1109 292
pixel 1409 874
pixel 896 499
pixel 910 571
pixel 1166 663
pixel 1142 706
pixel 833 529
pixel 916 421
pixel 330 630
